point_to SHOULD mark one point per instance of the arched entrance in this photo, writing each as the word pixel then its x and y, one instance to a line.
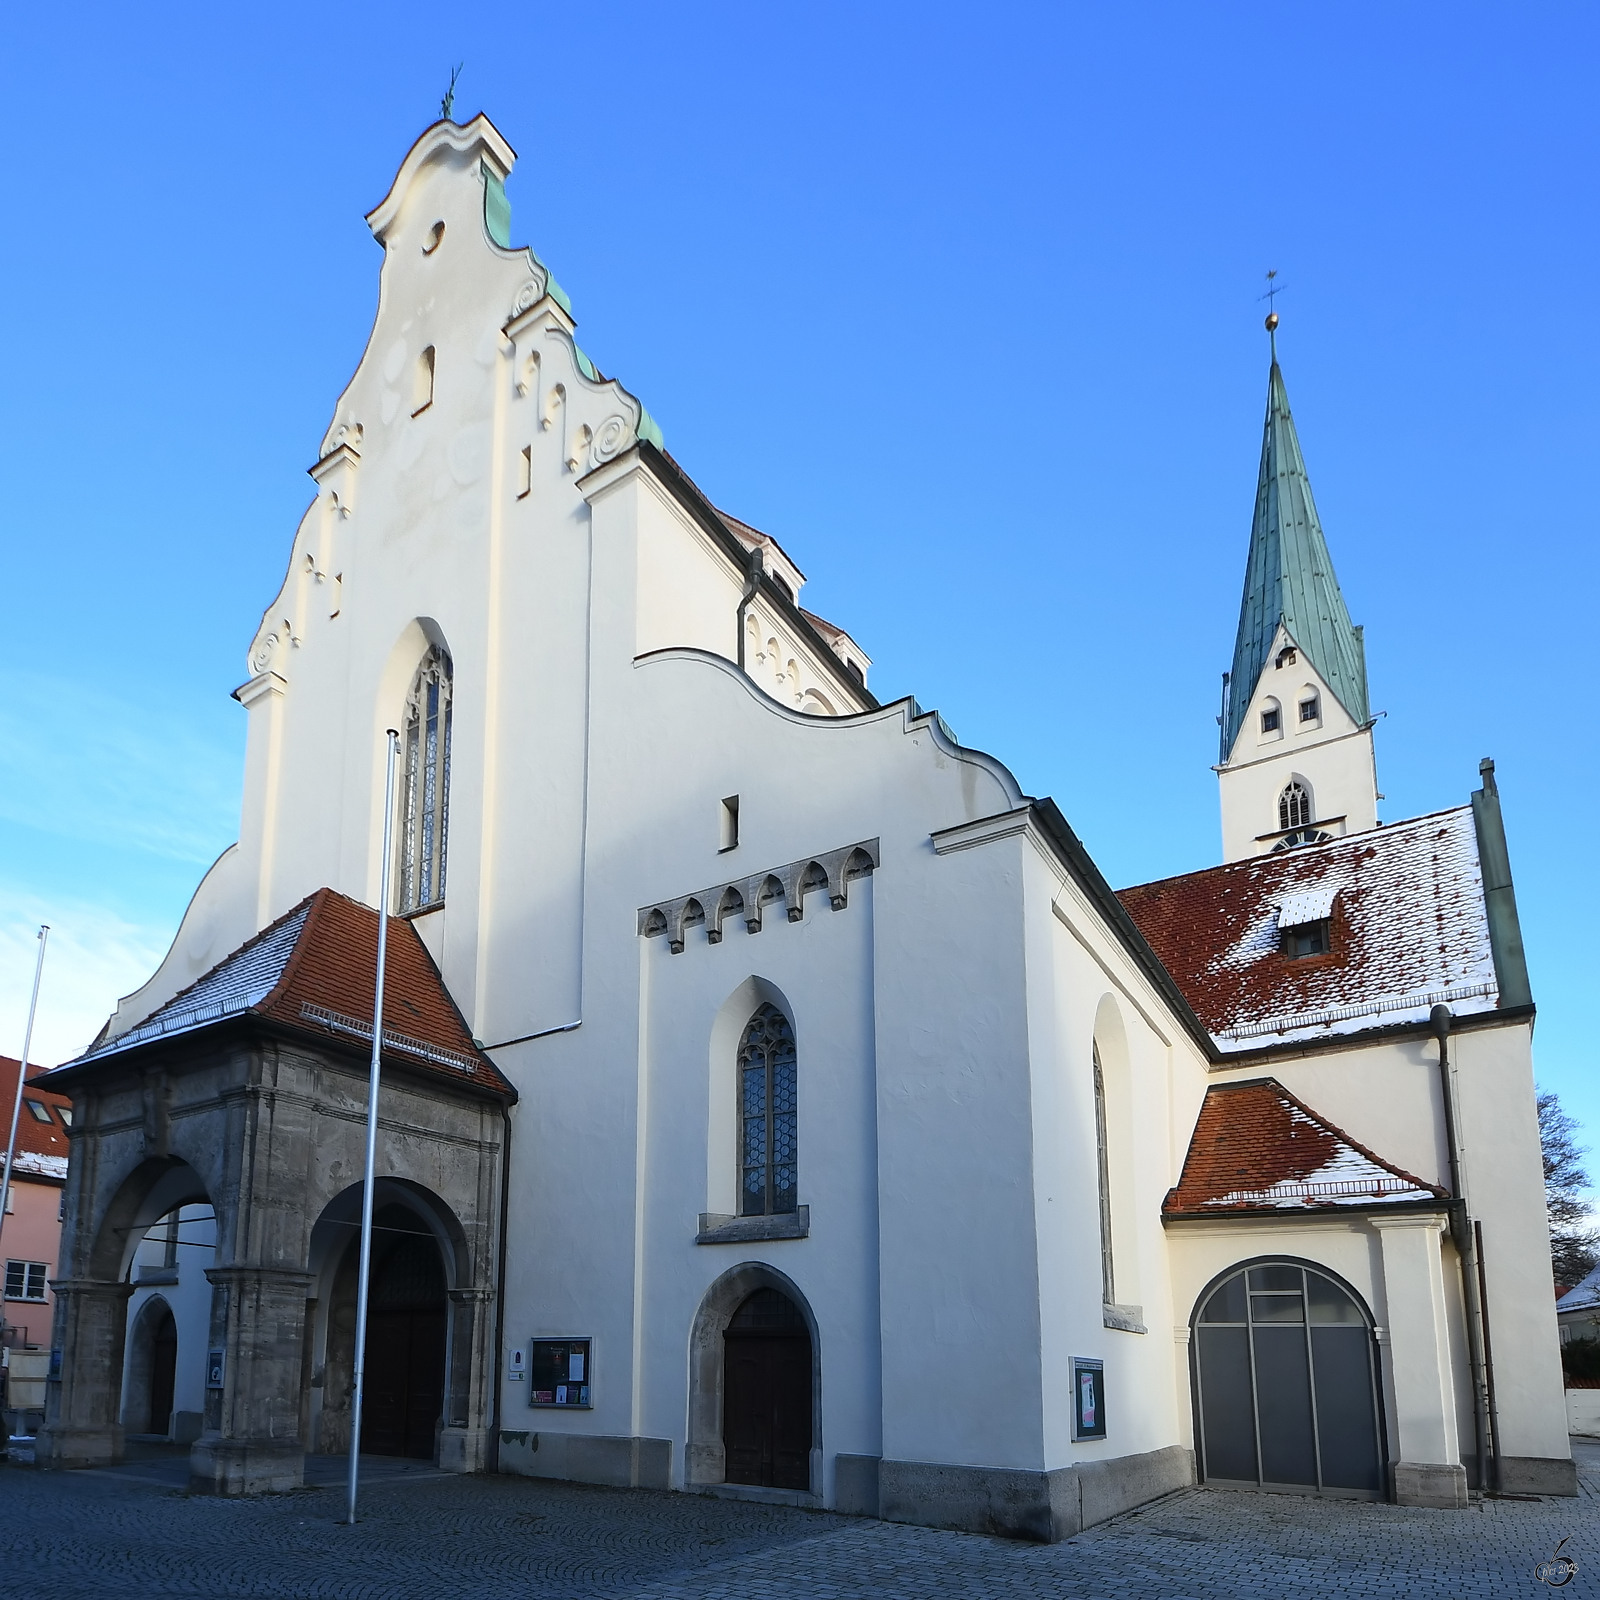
pixel 163 1371
pixel 1286 1393
pixel 408 1318
pixel 755 1385
pixel 152 1369
pixel 766 1415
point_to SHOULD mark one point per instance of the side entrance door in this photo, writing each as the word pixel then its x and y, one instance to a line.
pixel 766 1394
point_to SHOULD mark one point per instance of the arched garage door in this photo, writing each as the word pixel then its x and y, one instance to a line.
pixel 1286 1384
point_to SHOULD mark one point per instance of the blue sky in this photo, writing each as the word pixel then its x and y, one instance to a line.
pixel 959 303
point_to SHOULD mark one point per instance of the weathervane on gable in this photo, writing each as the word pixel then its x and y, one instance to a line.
pixel 447 105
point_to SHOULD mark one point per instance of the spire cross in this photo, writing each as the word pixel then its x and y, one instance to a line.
pixel 1274 289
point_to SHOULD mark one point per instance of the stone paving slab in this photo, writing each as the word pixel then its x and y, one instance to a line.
pixel 73 1535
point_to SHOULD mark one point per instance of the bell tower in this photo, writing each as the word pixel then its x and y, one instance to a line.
pixel 1297 765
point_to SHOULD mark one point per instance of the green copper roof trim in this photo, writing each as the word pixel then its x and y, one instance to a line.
pixel 1289 579
pixel 649 429
pixel 552 288
pixel 496 208
pixel 497 222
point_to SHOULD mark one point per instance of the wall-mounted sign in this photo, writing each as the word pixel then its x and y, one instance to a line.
pixel 517 1366
pixel 214 1369
pixel 559 1372
pixel 1088 1398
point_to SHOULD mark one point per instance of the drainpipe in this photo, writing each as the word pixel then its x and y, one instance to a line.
pixel 497 1422
pixel 752 582
pixel 1465 1236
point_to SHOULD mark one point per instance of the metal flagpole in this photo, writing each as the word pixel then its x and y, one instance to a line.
pixel 392 738
pixel 22 1073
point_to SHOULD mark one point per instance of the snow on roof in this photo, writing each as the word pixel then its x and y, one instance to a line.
pixel 41 1140
pixel 1256 1147
pixel 1408 931
pixel 315 967
pixel 1584 1295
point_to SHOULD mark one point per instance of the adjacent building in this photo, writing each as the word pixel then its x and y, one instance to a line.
pixel 778 1102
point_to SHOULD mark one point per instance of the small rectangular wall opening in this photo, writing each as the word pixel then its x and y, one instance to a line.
pixel 525 472
pixel 728 824
pixel 422 383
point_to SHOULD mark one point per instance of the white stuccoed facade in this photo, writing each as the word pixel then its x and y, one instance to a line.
pixel 483 490
pixel 1330 755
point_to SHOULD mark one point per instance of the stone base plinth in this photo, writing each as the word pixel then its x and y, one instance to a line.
pixel 464 1449
pixel 245 1466
pixel 1440 1484
pixel 79 1447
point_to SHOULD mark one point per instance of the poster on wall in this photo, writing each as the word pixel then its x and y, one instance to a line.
pixel 1088 1398
pixel 559 1372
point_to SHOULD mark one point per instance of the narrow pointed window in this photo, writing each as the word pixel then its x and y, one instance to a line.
pixel 425 800
pixel 1108 1277
pixel 767 1110
pixel 1294 807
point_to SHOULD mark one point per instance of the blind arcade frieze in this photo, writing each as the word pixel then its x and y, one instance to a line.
pixel 749 899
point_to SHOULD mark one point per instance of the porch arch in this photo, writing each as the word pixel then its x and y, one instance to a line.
pixel 401 1208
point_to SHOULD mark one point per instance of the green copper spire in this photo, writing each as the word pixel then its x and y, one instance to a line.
pixel 1289 579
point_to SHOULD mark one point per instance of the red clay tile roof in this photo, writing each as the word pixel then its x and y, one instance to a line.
pixel 315 968
pixel 1257 1148
pixel 1406 918
pixel 41 1145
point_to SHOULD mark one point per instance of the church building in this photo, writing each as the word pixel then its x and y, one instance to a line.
pixel 777 1103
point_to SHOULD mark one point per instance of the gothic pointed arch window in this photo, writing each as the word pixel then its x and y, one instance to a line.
pixel 767 1111
pixel 425 796
pixel 1294 805
pixel 1108 1277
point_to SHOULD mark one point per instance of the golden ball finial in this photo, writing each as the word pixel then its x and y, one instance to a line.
pixel 1272 322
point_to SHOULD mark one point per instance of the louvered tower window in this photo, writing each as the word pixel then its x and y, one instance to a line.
pixel 425 798
pixel 1294 807
pixel 767 1115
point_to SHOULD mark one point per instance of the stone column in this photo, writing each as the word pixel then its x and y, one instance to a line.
pixel 1427 1470
pixel 83 1404
pixel 464 1439
pixel 251 1443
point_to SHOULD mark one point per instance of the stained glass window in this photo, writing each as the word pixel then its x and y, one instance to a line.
pixel 425 796
pixel 767 1104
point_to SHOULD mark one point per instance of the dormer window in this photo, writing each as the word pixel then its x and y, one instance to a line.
pixel 782 586
pixel 1308 939
pixel 1271 719
pixel 1287 657
pixel 1311 708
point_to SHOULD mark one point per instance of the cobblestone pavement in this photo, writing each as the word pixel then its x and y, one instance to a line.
pixel 72 1535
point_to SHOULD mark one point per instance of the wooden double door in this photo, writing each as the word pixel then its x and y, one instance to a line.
pixel 404 1381
pixel 767 1394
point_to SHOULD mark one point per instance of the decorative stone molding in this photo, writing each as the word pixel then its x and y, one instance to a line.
pixel 718 1228
pixel 1129 1319
pixel 747 899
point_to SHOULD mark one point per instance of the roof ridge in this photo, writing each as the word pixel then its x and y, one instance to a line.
pixel 1387 830
pixel 317 899
pixel 216 966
